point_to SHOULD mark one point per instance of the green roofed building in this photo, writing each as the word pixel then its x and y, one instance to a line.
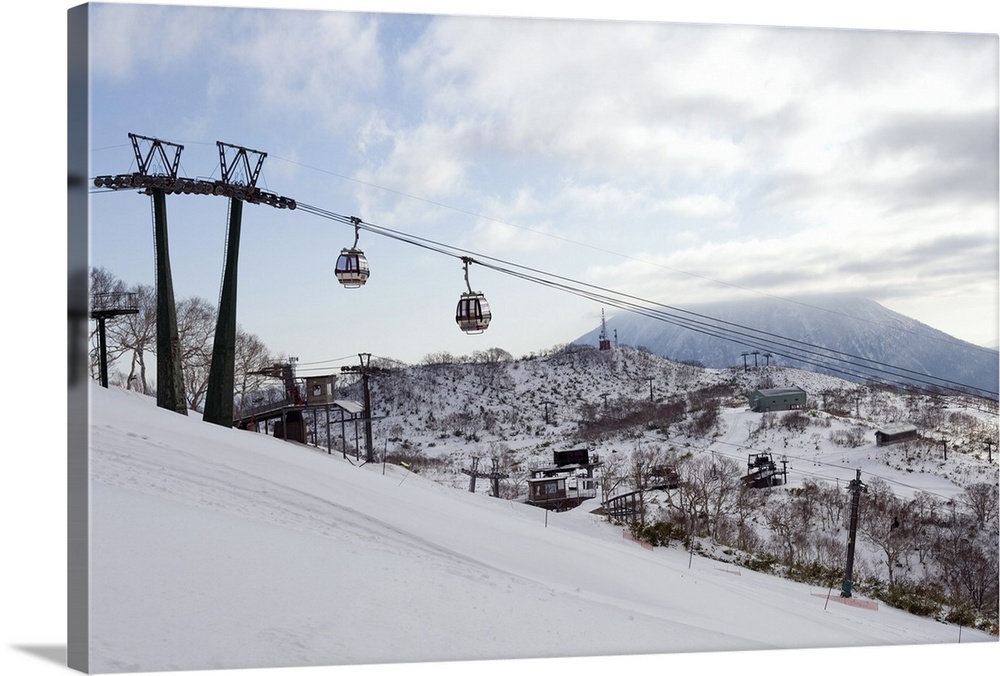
pixel 778 399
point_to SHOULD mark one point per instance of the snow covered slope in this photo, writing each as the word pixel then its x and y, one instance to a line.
pixel 220 548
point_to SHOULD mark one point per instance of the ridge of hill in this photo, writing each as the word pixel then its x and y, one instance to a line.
pixel 844 335
pixel 614 401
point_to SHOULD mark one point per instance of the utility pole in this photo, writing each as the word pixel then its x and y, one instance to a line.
pixel 989 449
pixel 857 488
pixel 364 369
pixel 745 355
pixel 650 379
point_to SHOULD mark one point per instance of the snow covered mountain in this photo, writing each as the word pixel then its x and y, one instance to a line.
pixel 843 335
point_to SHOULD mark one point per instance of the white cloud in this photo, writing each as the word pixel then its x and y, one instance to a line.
pixel 309 61
pixel 780 158
pixel 127 38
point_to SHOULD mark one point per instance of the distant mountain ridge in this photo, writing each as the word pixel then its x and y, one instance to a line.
pixel 842 335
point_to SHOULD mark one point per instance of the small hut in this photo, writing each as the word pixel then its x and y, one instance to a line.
pixel 895 434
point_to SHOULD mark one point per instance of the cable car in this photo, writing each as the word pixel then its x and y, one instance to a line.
pixel 473 312
pixel 352 266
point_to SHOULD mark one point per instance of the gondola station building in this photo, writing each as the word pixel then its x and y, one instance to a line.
pixel 777 399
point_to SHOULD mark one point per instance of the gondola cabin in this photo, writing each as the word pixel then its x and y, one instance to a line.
pixel 473 313
pixel 352 268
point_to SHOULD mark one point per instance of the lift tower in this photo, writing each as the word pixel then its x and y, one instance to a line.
pixel 857 488
pixel 157 175
pixel 157 171
pixel 241 179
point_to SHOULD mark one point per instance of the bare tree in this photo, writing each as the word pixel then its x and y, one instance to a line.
pixel 968 563
pixel 642 468
pixel 612 473
pixel 137 333
pixel 789 533
pixel 888 523
pixel 252 356
pixel 982 500
pixel 102 283
pixel 832 505
pixel 748 502
pixel 130 334
pixel 195 328
pixel 714 486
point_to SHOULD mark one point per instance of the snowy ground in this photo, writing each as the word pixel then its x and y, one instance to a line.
pixel 216 548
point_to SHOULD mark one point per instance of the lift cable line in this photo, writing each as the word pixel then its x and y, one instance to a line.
pixel 620 255
pixel 736 336
pixel 771 343
pixel 649 309
pixel 238 183
pixel 607 251
pixel 635 303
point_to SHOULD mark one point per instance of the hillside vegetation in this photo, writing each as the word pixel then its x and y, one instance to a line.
pixel 928 529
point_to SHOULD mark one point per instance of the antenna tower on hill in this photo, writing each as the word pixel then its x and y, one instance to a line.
pixel 604 343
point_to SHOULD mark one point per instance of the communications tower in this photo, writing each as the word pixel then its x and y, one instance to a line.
pixel 603 342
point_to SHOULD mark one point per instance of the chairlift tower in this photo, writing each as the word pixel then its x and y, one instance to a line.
pixel 494 475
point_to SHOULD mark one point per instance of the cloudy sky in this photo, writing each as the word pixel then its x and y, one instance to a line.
pixel 673 161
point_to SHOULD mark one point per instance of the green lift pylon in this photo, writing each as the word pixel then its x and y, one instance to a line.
pixel 157 174
pixel 221 374
pixel 242 178
pixel 159 170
